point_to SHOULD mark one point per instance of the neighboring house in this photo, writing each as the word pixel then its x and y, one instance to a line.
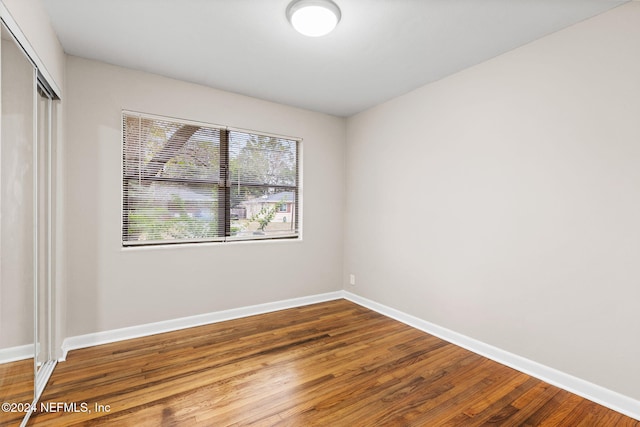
pixel 282 202
pixel 178 200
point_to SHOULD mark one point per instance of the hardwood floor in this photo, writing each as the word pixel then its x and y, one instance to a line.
pixel 328 364
pixel 16 386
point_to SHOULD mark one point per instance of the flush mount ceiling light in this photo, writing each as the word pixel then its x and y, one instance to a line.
pixel 313 18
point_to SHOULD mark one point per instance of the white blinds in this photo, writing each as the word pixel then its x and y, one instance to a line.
pixel 188 182
pixel 263 172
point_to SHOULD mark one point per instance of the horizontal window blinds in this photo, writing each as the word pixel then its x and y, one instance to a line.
pixel 263 173
pixel 186 182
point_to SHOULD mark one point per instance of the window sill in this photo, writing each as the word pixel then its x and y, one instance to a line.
pixel 208 244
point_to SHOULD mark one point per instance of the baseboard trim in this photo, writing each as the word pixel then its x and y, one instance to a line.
pixel 598 394
pixel 105 337
pixel 19 352
pixel 603 396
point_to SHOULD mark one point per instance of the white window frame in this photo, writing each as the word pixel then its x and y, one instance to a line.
pixel 297 209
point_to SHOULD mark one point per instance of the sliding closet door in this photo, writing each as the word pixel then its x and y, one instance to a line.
pixel 17 227
pixel 44 203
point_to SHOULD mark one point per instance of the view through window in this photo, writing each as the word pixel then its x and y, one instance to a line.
pixel 190 182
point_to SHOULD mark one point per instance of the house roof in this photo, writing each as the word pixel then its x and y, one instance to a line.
pixel 169 192
pixel 282 197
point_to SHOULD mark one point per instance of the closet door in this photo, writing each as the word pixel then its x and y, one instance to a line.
pixel 17 228
pixel 44 357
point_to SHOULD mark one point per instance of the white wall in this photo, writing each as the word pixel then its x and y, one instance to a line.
pixel 111 287
pixel 16 197
pixel 34 24
pixel 508 201
pixel 31 25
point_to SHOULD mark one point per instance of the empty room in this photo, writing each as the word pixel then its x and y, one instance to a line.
pixel 320 212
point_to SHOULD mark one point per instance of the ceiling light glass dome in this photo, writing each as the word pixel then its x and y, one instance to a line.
pixel 313 18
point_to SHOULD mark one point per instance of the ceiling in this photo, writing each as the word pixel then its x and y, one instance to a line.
pixel 380 49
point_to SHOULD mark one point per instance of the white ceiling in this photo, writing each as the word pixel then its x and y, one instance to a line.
pixel 380 49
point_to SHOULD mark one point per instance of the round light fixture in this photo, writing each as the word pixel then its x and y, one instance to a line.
pixel 313 18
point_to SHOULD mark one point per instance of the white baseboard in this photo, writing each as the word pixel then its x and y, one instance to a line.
pixel 603 396
pixel 105 337
pixel 19 352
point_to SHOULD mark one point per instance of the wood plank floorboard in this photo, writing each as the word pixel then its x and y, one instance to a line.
pixel 327 364
pixel 16 386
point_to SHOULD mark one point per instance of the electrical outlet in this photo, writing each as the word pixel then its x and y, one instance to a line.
pixel 352 279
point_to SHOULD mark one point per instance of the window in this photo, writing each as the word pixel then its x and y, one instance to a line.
pixel 191 182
